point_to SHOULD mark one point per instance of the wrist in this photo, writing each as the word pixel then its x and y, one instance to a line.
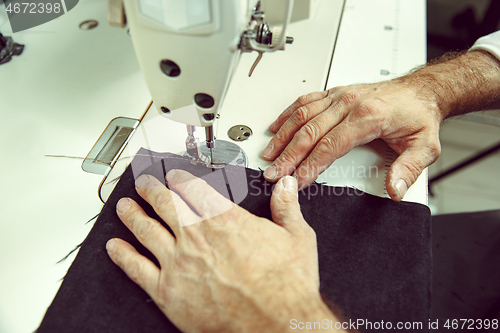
pixel 458 83
pixel 312 314
pixel 290 312
pixel 422 87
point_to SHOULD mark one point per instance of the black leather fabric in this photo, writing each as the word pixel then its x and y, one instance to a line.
pixel 374 255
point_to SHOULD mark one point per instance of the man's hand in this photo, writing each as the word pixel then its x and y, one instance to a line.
pixel 232 272
pixel 320 127
pixel 405 112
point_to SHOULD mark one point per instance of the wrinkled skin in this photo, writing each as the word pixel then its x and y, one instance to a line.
pixel 320 127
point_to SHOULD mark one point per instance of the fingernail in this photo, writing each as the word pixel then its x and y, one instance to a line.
pixel 401 188
pixel 269 149
pixel 171 175
pixel 111 245
pixel 290 184
pixel 123 205
pixel 271 172
pixel 142 181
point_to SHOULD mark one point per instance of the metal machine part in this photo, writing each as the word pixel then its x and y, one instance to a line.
pixel 192 142
pixel 198 157
pixel 210 141
pixel 261 39
pixel 108 147
pixel 188 84
pixel 239 133
pixel 223 153
pixel 214 154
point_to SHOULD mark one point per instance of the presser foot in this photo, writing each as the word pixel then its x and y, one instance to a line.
pixel 223 153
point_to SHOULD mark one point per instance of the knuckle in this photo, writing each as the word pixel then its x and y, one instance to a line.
pixel 162 202
pixel 175 178
pixel 347 97
pixel 287 157
pixel 434 151
pixel 414 168
pixel 288 199
pixel 117 256
pixel 326 145
pixel 134 270
pixel 333 90
pixel 279 137
pixel 145 228
pixel 132 219
pixel 369 109
pixel 311 97
pixel 303 100
pixel 300 116
pixel 308 133
pixel 191 186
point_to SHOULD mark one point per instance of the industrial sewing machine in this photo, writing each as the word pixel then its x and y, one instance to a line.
pixel 197 56
pixel 189 52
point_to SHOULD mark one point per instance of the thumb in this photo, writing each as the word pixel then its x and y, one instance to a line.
pixel 407 168
pixel 285 207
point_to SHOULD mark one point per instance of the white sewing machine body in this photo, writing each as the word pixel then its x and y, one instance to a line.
pixel 199 39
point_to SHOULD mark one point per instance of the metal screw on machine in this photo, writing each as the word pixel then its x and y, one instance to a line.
pixel 239 133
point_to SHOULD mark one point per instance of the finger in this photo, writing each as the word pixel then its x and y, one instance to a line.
pixel 137 267
pixel 304 142
pixel 285 206
pixel 167 204
pixel 148 231
pixel 299 102
pixel 405 170
pixel 338 142
pixel 288 129
pixel 198 194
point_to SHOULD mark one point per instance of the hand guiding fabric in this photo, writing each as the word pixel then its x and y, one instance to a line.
pixel 212 276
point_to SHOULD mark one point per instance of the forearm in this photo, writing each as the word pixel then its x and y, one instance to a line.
pixel 465 83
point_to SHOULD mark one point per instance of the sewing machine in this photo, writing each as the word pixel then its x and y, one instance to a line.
pixel 239 114
pixel 188 53
pixel 73 78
